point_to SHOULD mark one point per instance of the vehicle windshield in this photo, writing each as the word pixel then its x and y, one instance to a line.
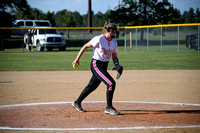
pixel 47 31
pixel 42 24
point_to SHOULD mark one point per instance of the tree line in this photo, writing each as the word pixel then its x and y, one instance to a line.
pixel 127 13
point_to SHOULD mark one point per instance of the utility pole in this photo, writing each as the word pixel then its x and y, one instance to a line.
pixel 89 16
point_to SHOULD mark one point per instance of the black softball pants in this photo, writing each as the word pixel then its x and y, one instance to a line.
pixel 100 74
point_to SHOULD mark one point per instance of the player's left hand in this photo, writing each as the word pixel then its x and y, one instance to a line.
pixel 119 70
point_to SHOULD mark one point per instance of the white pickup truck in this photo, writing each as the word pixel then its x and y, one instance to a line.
pixel 47 38
pixel 28 24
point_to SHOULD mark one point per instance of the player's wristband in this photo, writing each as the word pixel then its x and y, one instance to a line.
pixel 116 61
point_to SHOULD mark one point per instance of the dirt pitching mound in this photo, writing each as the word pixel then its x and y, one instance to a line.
pixel 133 114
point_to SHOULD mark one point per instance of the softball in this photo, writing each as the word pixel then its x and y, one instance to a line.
pixel 75 65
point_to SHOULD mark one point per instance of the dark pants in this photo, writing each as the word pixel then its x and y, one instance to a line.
pixel 99 70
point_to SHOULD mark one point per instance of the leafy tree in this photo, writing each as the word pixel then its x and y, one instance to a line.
pixel 191 15
pixel 129 12
pixel 98 19
pixel 174 16
pixel 64 18
pixel 50 16
pixel 18 4
pixel 125 13
pixel 85 20
pixel 77 18
pixel 184 17
pixel 144 12
pixel 197 18
pixel 5 5
pixel 36 14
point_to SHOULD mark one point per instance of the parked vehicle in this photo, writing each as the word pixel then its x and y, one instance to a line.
pixel 192 41
pixel 28 24
pixel 47 38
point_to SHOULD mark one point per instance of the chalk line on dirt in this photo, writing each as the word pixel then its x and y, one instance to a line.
pixel 48 103
pixel 115 128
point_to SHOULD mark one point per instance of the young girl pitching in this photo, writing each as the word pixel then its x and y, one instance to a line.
pixel 104 46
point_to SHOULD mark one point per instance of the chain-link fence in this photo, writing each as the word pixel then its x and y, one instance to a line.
pixel 45 39
pixel 172 38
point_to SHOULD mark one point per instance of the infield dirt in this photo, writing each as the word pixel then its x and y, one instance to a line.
pixel 174 86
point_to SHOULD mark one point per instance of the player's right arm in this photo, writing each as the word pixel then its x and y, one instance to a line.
pixel 83 49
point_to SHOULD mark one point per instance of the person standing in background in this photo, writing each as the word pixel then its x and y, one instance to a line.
pixel 29 40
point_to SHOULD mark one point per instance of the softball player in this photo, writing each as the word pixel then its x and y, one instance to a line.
pixel 104 46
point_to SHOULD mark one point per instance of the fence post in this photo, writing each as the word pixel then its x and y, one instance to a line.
pixel 161 48
pixel 125 39
pixel 198 38
pixel 147 39
pixel 178 41
pixel 45 40
pixel 136 39
pixel 84 36
pixel 2 48
pixel 22 40
pixel 130 39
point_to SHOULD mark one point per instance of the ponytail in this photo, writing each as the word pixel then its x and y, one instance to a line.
pixel 104 28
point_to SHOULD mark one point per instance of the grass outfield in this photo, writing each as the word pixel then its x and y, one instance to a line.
pixel 130 60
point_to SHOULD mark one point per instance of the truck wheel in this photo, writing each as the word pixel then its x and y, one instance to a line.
pixel 62 48
pixel 39 47
pixel 49 49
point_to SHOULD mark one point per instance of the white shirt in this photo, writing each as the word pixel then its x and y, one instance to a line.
pixel 103 48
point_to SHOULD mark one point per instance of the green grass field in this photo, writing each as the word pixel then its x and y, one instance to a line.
pixel 61 61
